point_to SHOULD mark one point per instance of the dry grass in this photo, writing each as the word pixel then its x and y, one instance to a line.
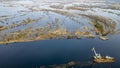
pixel 101 25
pixel 42 34
pixel 65 13
pixel 76 8
pixel 57 6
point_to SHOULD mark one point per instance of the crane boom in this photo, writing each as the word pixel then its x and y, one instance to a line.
pixel 94 51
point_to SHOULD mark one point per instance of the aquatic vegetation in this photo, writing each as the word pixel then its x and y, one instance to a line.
pixel 71 65
pixel 2 28
pixel 28 20
pixel 60 6
pixel 58 21
pixel 63 13
pixel 76 8
pixel 101 25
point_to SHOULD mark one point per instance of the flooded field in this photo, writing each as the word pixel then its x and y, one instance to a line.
pixel 58 34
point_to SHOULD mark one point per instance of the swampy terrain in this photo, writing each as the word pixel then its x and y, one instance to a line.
pixel 58 33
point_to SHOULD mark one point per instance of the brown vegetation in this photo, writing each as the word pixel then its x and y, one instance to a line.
pixel 76 8
pixel 101 25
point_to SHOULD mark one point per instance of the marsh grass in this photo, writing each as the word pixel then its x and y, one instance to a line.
pixel 76 8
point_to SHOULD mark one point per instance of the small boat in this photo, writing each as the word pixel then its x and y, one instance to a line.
pixel 102 59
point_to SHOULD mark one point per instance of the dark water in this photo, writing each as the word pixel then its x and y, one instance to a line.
pixel 49 52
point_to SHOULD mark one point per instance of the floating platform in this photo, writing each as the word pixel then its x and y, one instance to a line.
pixel 102 59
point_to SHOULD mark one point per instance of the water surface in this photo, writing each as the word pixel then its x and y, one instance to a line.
pixel 50 52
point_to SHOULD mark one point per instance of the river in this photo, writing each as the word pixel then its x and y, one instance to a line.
pixel 57 49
